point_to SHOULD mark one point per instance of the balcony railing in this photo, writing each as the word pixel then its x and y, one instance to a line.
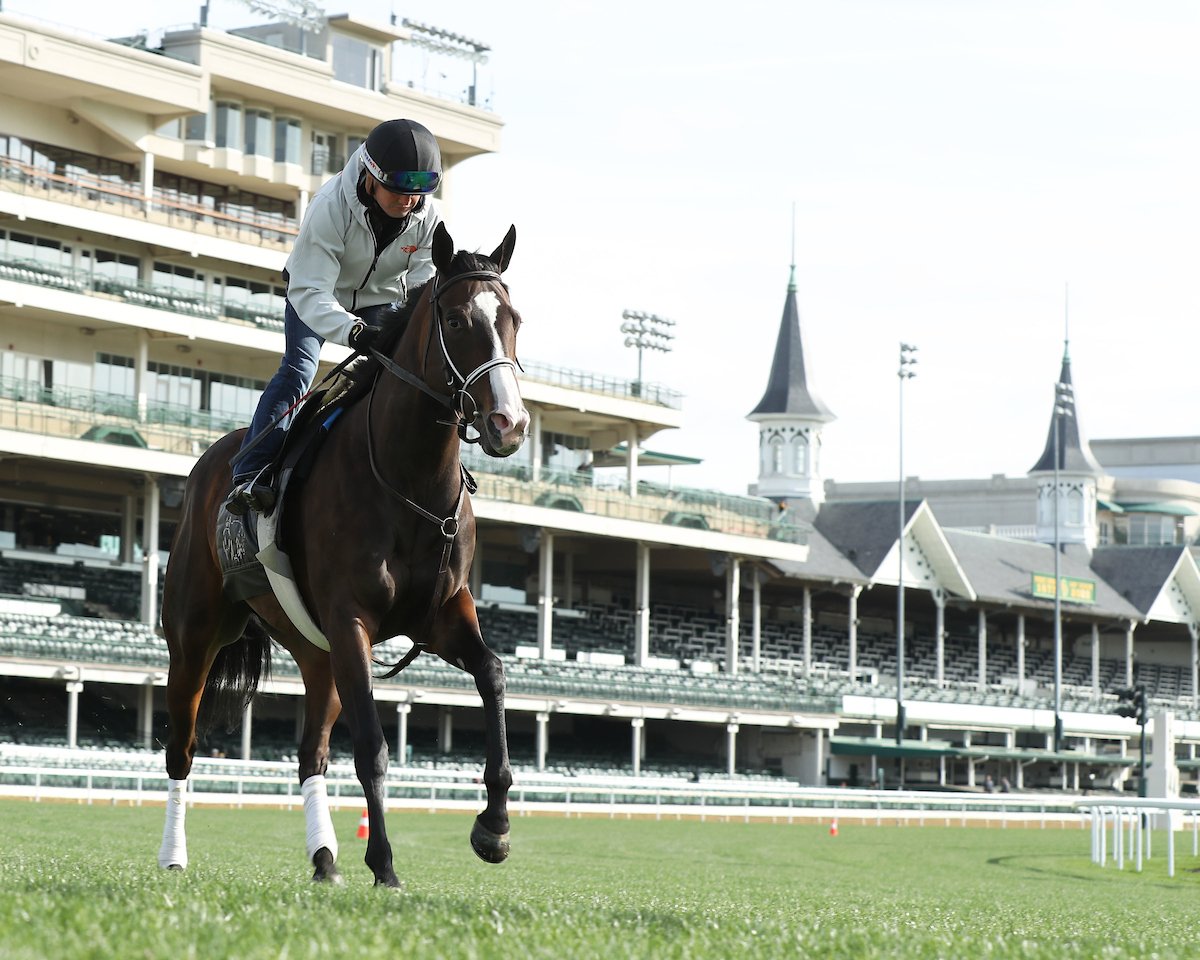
pixel 27 407
pixel 598 383
pixel 265 229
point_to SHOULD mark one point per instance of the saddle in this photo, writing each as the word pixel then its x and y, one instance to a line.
pixel 252 560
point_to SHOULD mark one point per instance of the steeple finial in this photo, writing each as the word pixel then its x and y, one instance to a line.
pixel 792 275
pixel 1066 323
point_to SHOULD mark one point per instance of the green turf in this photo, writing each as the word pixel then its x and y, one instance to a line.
pixel 82 882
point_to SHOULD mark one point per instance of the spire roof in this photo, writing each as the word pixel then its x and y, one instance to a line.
pixel 1074 452
pixel 787 386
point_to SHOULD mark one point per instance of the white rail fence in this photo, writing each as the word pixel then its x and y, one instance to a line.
pixel 1130 823
pixel 142 780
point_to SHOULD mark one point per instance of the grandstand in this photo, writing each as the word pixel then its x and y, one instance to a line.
pixel 147 200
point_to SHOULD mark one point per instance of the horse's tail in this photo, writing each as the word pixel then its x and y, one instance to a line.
pixel 234 677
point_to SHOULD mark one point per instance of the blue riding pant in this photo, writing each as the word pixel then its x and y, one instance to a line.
pixel 297 370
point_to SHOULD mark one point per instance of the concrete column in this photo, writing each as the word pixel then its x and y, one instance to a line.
pixel 638 747
pixel 150 517
pixel 128 527
pixel 148 179
pixel 402 712
pixel 982 621
pixel 733 588
pixel 1129 628
pixel 939 633
pixel 545 595
pixel 806 621
pixel 756 621
pixel 535 444
pixel 568 580
pixel 1096 660
pixel 74 689
pixel 853 651
pixel 247 729
pixel 146 714
pixel 1020 650
pixel 731 732
pixel 941 771
pixel 1194 630
pixel 631 463
pixel 641 625
pixel 445 729
pixel 302 204
pixel 543 738
pixel 970 763
pixel 141 374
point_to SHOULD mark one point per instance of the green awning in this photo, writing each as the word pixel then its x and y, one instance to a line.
pixel 618 456
pixel 1109 506
pixel 1169 509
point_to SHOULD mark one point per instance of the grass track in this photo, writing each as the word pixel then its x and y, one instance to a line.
pixel 81 882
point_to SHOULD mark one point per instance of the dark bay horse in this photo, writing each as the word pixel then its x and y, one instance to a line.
pixel 381 537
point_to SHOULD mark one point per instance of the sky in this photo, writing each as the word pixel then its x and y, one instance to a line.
pixel 966 176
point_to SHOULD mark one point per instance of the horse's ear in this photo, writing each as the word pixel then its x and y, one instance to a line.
pixel 503 253
pixel 443 247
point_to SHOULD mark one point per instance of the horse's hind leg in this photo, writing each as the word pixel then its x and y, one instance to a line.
pixel 457 639
pixel 321 708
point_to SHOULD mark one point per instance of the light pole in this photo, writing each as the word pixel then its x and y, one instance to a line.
pixel 646 331
pixel 905 372
pixel 1064 406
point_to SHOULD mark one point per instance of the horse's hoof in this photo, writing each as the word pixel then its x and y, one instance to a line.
pixel 174 866
pixel 326 870
pixel 390 882
pixel 488 846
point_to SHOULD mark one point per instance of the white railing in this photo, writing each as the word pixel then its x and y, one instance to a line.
pixel 1132 821
pixel 235 783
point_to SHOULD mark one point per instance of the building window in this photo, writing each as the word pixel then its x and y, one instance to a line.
pixel 195 128
pixel 357 62
pixel 229 125
pixel 179 280
pixel 258 133
pixel 287 140
pixel 776 455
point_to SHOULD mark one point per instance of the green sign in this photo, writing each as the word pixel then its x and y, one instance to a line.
pixel 1069 588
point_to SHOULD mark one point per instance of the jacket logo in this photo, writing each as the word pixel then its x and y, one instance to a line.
pixel 410 250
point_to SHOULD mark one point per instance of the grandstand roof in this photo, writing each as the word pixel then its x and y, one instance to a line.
pixel 787 386
pixel 1001 571
pixel 1143 574
pixel 865 532
pixel 825 562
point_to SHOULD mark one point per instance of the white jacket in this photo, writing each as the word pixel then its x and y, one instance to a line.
pixel 334 270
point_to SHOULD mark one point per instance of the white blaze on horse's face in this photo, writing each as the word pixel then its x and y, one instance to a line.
pixel 508 423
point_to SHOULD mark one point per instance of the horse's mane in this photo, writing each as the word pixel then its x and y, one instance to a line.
pixel 395 318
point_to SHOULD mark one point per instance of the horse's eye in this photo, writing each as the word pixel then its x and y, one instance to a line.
pixel 455 319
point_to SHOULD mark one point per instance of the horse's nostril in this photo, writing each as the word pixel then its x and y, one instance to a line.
pixel 501 423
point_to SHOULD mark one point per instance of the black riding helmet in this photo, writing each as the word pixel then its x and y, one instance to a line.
pixel 404 157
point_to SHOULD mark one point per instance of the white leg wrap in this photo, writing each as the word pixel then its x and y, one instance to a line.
pixel 318 824
pixel 173 852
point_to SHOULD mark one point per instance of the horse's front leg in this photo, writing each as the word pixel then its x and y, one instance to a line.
pixel 321 709
pixel 350 657
pixel 458 640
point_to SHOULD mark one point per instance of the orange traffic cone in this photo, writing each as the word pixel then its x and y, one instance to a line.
pixel 364 826
pixel 833 827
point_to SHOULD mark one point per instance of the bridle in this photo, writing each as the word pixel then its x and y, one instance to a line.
pixel 457 403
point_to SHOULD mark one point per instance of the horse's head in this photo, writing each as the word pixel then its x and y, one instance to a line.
pixel 475 326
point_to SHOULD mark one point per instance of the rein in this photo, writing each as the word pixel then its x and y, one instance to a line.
pixel 456 403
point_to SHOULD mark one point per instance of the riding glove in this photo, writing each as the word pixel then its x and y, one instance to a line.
pixel 363 336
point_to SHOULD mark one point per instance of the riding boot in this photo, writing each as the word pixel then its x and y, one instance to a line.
pixel 255 493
